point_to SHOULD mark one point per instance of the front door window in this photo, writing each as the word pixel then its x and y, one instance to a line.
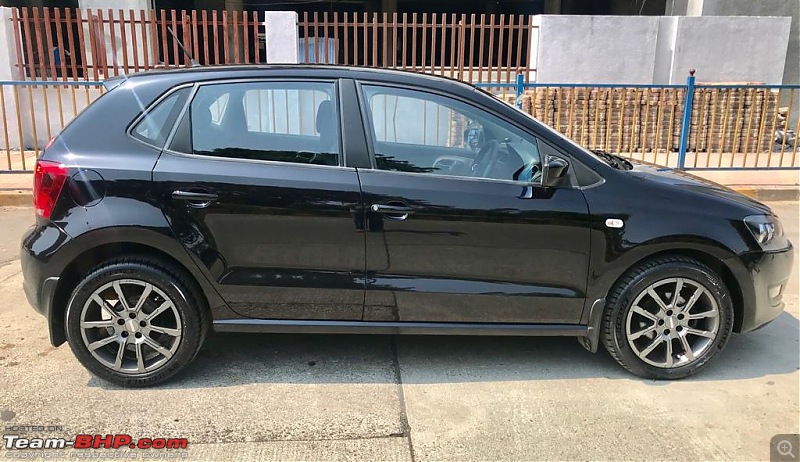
pixel 419 132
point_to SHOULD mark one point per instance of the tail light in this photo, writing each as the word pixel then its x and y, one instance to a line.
pixel 48 179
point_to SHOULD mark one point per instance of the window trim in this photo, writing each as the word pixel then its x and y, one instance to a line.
pixel 369 130
pixel 179 119
pixel 151 107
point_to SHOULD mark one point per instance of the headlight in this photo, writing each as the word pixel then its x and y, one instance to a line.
pixel 765 229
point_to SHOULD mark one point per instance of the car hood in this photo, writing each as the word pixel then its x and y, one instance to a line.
pixel 688 182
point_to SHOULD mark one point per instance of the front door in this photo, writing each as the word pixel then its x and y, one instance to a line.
pixel 253 185
pixel 458 227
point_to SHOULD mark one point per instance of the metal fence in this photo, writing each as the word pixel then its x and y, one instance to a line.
pixel 87 44
pixel 726 127
pixel 33 112
pixel 691 126
pixel 473 48
pixel 93 44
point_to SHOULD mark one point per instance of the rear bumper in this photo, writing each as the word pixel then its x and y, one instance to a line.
pixel 763 277
pixel 41 274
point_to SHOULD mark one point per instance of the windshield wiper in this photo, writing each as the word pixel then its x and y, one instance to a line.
pixel 618 162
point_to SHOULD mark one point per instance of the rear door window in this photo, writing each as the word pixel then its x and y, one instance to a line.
pixel 295 122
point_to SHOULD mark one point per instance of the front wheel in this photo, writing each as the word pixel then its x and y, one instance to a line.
pixel 667 318
pixel 135 322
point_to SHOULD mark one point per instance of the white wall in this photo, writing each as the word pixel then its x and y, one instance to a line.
pixel 731 48
pixel 648 49
pixel 596 49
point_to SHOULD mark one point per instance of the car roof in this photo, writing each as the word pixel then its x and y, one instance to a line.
pixel 233 71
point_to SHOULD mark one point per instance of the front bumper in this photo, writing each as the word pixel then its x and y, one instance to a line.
pixel 763 277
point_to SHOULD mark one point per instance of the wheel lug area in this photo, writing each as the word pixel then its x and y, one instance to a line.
pixel 681 316
pixel 132 315
pixel 124 334
pixel 142 324
pixel 138 335
pixel 666 331
pixel 120 321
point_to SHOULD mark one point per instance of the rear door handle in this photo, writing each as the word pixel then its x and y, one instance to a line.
pixel 194 196
pixel 380 208
pixel 196 199
pixel 393 211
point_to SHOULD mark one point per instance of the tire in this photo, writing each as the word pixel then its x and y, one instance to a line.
pixel 629 334
pixel 137 347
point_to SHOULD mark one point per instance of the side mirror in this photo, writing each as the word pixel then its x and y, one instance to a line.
pixel 554 170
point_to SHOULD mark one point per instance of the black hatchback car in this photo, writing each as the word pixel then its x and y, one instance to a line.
pixel 349 200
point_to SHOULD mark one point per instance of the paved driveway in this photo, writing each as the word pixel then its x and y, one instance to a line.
pixel 256 397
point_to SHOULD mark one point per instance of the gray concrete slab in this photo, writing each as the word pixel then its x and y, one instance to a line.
pixel 251 397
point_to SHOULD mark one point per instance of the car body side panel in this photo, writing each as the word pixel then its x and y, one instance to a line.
pixel 281 241
pixel 474 251
pixel 657 218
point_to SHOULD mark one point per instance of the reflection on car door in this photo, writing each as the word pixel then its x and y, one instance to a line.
pixel 456 248
pixel 254 189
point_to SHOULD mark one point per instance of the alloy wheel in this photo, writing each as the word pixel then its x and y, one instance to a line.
pixel 131 326
pixel 672 322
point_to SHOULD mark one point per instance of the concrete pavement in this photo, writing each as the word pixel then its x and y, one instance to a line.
pixel 292 397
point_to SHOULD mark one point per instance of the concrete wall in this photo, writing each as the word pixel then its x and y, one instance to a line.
pixel 647 49
pixel 791 8
pixel 726 49
pixel 596 49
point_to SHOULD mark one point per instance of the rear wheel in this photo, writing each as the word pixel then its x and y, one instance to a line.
pixel 667 318
pixel 135 322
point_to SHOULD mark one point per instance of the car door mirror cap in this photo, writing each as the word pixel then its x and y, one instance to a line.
pixel 554 170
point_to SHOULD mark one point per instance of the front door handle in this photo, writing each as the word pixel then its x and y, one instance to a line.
pixel 394 211
pixel 197 199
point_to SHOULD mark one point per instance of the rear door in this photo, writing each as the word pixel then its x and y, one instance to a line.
pixel 254 186
pixel 459 227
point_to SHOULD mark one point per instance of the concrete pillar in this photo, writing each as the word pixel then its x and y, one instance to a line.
pixel 8 54
pixel 282 37
pixel 114 52
pixel 533 49
pixel 9 71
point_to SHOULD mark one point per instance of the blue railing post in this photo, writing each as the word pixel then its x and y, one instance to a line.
pixel 520 90
pixel 687 119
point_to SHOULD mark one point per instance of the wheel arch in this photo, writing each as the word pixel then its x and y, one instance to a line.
pixel 105 249
pixel 706 257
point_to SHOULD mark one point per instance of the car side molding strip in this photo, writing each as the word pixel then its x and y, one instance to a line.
pixel 399 328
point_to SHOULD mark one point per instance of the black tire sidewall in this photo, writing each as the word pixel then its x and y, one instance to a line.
pixel 191 325
pixel 622 305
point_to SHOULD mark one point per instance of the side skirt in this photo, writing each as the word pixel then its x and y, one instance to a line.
pixel 397 328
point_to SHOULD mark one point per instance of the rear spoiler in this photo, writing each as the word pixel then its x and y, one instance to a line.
pixel 113 82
